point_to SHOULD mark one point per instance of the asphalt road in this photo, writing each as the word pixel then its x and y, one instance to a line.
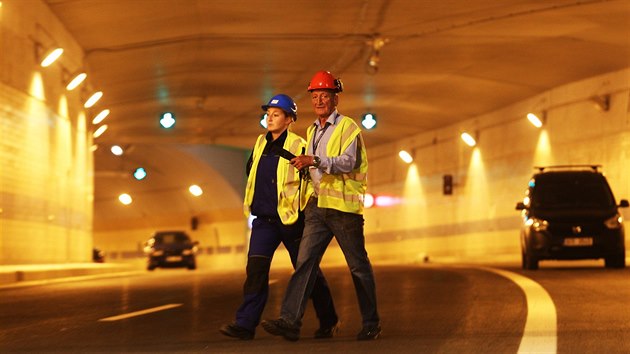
pixel 428 308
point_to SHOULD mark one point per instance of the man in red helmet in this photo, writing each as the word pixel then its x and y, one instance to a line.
pixel 272 195
pixel 333 207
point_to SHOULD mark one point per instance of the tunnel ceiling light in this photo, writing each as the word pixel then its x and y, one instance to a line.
pixel 125 199
pixel 368 121
pixel 117 150
pixel 468 139
pixel 537 122
pixel 195 190
pixel 93 99
pixel 100 131
pixel 405 156
pixel 51 56
pixel 76 81
pixel 99 117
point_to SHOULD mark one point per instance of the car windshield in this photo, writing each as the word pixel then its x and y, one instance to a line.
pixel 572 191
pixel 171 238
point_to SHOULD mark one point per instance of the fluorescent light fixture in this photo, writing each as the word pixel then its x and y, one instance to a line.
pixel 195 190
pixel 76 81
pixel 100 131
pixel 117 150
pixel 93 99
pixel 51 56
pixel 534 120
pixel 405 156
pixel 468 139
pixel 99 117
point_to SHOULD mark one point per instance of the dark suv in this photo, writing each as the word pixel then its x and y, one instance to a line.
pixel 569 212
pixel 170 249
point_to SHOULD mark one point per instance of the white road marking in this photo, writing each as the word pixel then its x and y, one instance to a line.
pixel 139 313
pixel 540 335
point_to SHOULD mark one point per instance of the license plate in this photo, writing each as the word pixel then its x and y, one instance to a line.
pixel 578 241
pixel 174 258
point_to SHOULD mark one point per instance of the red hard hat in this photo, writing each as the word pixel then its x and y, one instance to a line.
pixel 324 80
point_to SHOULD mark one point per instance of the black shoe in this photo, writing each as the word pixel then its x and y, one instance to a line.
pixel 280 327
pixel 369 333
pixel 235 331
pixel 327 332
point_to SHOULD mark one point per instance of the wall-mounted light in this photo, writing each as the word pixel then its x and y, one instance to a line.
pixel 75 81
pixel 100 131
pixel 195 190
pixel 125 199
pixel 537 122
pixel 99 117
pixel 50 56
pixel 368 121
pixel 117 150
pixel 405 156
pixel 93 99
pixel 602 103
pixel 468 139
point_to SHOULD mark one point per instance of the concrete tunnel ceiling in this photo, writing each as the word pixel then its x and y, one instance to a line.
pixel 213 63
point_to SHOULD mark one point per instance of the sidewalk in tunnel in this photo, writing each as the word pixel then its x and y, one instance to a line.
pixel 19 275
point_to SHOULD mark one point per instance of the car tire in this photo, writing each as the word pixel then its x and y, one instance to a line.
pixel 616 261
pixel 529 261
pixel 150 267
pixel 192 266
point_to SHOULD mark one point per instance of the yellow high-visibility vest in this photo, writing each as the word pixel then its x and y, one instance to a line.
pixel 287 178
pixel 344 192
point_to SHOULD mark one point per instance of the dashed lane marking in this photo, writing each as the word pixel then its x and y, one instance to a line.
pixel 138 313
pixel 540 334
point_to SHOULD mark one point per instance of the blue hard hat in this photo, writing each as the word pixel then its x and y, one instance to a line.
pixel 283 102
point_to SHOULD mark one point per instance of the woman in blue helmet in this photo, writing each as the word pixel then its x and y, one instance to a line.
pixel 273 196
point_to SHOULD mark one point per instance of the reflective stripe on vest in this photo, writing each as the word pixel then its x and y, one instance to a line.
pixel 287 178
pixel 344 192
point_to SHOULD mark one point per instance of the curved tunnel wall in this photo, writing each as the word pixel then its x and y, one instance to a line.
pixel 479 218
pixel 47 181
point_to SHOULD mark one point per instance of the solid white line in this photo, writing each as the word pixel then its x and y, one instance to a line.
pixel 139 313
pixel 540 334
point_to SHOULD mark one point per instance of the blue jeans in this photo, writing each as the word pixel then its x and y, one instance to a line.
pixel 321 225
pixel 267 234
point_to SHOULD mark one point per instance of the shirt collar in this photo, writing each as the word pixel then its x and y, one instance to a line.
pixel 280 139
pixel 332 119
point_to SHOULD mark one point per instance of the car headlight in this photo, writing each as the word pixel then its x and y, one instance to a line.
pixel 614 222
pixel 537 224
pixel 157 253
pixel 187 252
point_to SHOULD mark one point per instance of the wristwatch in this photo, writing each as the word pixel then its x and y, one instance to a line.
pixel 316 161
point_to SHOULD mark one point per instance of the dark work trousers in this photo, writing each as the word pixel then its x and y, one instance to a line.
pixel 267 233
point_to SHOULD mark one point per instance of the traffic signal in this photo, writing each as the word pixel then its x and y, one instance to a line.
pixel 447 188
pixel 167 120
pixel 368 121
pixel 139 173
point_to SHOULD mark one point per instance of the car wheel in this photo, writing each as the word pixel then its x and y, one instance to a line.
pixel 192 266
pixel 529 262
pixel 616 261
pixel 150 267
